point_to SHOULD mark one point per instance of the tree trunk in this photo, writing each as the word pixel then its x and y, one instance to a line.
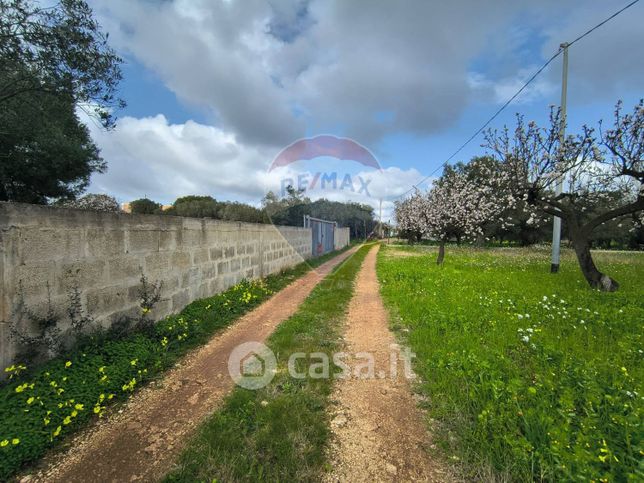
pixel 441 253
pixel 595 278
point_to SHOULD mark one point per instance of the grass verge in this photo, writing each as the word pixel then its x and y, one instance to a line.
pixel 531 376
pixel 279 432
pixel 39 407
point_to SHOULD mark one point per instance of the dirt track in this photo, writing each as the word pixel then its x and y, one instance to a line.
pixel 141 441
pixel 379 434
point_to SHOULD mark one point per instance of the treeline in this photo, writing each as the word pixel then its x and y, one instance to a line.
pixel 202 207
pixel 518 225
pixel 289 210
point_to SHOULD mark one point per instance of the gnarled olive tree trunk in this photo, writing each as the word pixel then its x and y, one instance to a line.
pixel 594 277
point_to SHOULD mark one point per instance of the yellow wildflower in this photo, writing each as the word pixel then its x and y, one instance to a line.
pixel 68 363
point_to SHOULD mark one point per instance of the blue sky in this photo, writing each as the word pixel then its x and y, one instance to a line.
pixel 215 89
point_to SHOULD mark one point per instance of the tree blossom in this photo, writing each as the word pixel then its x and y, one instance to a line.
pixel 603 179
pixel 457 206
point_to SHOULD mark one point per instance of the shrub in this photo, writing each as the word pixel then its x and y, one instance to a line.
pixel 144 206
pixel 196 206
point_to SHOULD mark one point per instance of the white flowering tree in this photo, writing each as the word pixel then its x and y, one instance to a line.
pixel 456 206
pixel 603 176
pixel 94 202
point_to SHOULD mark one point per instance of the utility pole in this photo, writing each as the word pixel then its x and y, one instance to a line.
pixel 556 224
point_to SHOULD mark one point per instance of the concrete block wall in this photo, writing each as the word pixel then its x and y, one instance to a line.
pixel 341 238
pixel 46 251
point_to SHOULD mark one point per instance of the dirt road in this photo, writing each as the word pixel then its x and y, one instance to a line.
pixel 379 434
pixel 142 440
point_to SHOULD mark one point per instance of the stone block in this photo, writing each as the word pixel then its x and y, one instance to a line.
pixel 143 241
pixel 169 240
pixel 124 268
pixel 180 300
pixel 156 263
pixel 180 260
pixel 200 256
pixel 50 244
pixel 102 243
pixel 82 274
pixel 108 300
pixel 209 270
pixel 190 278
pixel 223 267
pixel 192 238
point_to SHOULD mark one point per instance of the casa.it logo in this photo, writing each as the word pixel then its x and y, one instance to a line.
pixel 252 365
pixel 324 147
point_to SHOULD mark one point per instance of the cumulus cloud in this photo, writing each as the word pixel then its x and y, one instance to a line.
pixel 270 72
pixel 501 90
pixel 150 157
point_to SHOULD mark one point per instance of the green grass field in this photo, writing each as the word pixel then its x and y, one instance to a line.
pixel 528 375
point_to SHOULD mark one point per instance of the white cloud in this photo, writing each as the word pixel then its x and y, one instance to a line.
pixel 502 90
pixel 269 72
pixel 151 157
pixel 272 70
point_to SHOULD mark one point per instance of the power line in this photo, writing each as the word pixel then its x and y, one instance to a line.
pixel 603 22
pixel 516 94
